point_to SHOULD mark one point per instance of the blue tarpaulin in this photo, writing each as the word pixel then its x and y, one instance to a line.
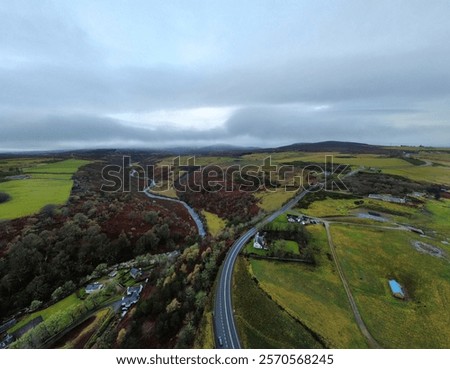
pixel 396 288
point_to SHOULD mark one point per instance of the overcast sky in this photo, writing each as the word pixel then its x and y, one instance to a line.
pixel 81 74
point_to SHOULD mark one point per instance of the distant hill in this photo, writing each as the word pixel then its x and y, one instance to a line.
pixel 337 146
pixel 212 150
pixel 219 149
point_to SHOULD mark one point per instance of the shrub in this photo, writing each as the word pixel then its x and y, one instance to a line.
pixel 151 217
pixel 49 210
pixel 4 197
pixel 35 304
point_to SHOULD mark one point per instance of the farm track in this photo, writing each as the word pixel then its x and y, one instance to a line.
pixel 359 321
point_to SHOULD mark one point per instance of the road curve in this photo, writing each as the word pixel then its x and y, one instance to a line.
pixel 224 325
pixel 192 213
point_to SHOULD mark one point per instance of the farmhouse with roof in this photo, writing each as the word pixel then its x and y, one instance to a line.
pixel 94 287
pixel 132 297
pixel 259 242
pixel 135 273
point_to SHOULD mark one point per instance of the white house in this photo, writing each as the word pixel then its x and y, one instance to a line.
pixel 259 242
pixel 94 287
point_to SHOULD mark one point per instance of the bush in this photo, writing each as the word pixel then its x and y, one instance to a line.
pixel 4 197
pixel 151 217
pixel 49 210
pixel 80 219
pixel 35 304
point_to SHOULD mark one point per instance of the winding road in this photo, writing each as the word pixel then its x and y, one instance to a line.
pixel 192 213
pixel 224 324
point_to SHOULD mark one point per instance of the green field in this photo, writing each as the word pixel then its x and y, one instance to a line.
pixel 436 217
pixel 346 207
pixel 49 184
pixel 62 305
pixel 214 222
pixel 64 169
pixel 271 201
pixel 286 245
pixel 439 174
pixel 21 163
pixel 280 223
pixel 314 295
pixel 369 258
pixel 260 321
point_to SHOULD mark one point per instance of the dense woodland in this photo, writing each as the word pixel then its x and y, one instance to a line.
pixel 61 246
pixel 175 307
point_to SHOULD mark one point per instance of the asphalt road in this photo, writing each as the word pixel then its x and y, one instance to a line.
pixel 224 324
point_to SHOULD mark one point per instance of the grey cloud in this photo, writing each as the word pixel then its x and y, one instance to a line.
pixel 402 79
pixel 257 126
pixel 57 84
pixel 79 131
pixel 287 125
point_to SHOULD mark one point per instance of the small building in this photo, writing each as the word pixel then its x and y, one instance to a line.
pixel 388 198
pixel 94 287
pixel 396 289
pixel 173 255
pixel 134 289
pixel 259 242
pixel 129 301
pixel 113 273
pixel 6 341
pixel 302 219
pixel 293 218
pixel 135 273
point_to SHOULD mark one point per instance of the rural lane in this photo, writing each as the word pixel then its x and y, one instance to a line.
pixel 198 222
pixel 192 213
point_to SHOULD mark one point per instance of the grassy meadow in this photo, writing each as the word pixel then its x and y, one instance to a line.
pixel 369 258
pixel 214 222
pixel 49 184
pixel 273 200
pixel 286 245
pixel 64 304
pixel 346 207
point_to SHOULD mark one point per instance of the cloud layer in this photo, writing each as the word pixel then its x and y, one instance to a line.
pixel 92 75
